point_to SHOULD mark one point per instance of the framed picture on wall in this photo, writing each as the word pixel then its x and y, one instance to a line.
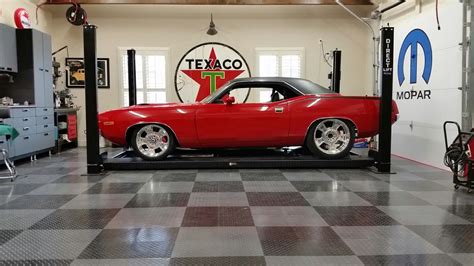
pixel 75 75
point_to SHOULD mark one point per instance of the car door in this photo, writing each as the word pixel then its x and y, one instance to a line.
pixel 248 124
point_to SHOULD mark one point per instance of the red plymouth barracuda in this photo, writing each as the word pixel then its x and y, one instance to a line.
pixel 248 112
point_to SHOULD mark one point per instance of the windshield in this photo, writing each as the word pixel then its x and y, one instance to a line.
pixel 209 98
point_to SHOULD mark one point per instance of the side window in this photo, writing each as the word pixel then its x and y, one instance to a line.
pixel 264 94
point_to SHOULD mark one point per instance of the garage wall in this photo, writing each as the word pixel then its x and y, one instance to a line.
pixel 8 7
pixel 418 134
pixel 244 28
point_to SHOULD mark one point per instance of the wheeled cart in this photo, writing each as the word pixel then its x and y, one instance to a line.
pixel 459 157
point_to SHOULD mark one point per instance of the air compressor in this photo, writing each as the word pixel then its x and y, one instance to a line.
pixel 459 156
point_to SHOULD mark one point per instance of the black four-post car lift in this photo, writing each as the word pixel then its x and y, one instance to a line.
pixel 246 158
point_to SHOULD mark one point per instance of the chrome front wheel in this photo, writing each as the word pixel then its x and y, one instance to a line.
pixel 152 142
pixel 331 138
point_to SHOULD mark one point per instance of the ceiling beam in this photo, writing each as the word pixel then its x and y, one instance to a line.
pixel 214 2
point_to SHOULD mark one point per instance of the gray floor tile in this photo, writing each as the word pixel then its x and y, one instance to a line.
pixel 445 197
pixel 47 244
pixel 166 187
pixel 76 219
pixel 98 201
pixel 218 199
pixel 463 258
pixel 7 235
pixel 421 215
pixel 268 186
pixel 148 218
pixel 310 186
pixel 411 259
pixel 368 186
pixel 137 177
pixel 334 199
pixel 36 179
pixel 147 200
pixel 218 176
pixel 464 211
pixel 122 262
pixel 131 243
pixel 6 198
pixel 308 175
pixel 436 175
pixel 37 202
pixel 448 238
pixel 398 176
pixel 312 260
pixel 384 240
pixel 61 189
pixel 34 262
pixel 21 219
pixel 218 261
pixel 393 198
pixel 221 242
pixel 17 189
pixel 262 176
pixel 286 216
pixel 218 186
pixel 424 185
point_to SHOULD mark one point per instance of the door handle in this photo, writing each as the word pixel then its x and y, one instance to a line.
pixel 278 109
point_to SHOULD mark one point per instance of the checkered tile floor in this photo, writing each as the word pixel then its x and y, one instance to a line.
pixel 52 215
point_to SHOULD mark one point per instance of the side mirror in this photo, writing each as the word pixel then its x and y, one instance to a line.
pixel 229 100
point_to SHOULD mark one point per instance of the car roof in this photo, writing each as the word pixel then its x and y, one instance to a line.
pixel 302 85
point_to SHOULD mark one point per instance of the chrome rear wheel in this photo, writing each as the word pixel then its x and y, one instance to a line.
pixel 331 138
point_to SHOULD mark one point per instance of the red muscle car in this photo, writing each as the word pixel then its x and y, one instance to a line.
pixel 249 112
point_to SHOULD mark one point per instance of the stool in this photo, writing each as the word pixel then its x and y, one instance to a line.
pixel 10 166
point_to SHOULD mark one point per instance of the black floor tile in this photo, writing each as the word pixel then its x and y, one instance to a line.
pixel 301 241
pixel 262 176
pixel 114 188
pixel 276 199
pixel 218 261
pixel 355 216
pixel 77 219
pixel 392 198
pixel 132 243
pixel 307 186
pixel 79 179
pixel 145 200
pixel 219 186
pixel 38 202
pixel 17 189
pixel 412 259
pixel 36 262
pixel 448 238
pixel 6 235
pixel 463 211
pixel 217 216
pixel 174 177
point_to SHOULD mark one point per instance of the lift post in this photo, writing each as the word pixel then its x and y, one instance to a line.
pixel 385 121
pixel 132 77
pixel 94 160
pixel 336 71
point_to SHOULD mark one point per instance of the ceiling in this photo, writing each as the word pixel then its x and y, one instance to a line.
pixel 216 2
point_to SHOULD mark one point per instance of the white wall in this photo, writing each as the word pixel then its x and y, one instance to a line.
pixel 8 7
pixel 424 142
pixel 243 27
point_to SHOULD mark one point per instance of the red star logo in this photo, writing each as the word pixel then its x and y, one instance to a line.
pixel 212 78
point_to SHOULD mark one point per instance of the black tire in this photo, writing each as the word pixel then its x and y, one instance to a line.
pixel 320 151
pixel 138 151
